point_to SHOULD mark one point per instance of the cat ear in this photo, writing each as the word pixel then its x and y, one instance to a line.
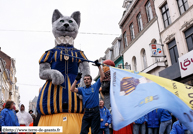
pixel 56 15
pixel 76 17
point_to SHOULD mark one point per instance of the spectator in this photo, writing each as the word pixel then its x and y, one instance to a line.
pixel 38 114
pixel 0 119
pixel 24 117
pixel 8 116
pixel 14 107
pixel 32 115
pixel 4 105
pixel 105 118
pixel 166 121
pixel 179 128
pixel 140 124
pixel 111 125
pixel 153 122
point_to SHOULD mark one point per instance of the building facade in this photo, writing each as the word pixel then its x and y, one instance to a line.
pixel 4 81
pixel 139 29
pixel 176 28
pixel 114 53
pixel 8 88
pixel 117 52
pixel 165 22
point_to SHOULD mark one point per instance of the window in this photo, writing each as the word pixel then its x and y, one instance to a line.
pixel 189 38
pixel 120 66
pixel 144 59
pixel 132 31
pixel 108 55
pixel 102 60
pixel 182 5
pixel 166 15
pixel 149 11
pixel 127 66
pixel 140 23
pixel 134 64
pixel 154 41
pixel 116 49
pixel 173 51
pixel 125 39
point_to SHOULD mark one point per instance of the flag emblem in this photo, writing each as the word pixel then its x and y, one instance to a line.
pixel 128 85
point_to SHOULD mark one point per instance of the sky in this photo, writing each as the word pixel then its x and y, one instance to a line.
pixel 25 34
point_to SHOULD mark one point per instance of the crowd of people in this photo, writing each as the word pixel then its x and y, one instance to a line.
pixel 11 117
pixel 159 121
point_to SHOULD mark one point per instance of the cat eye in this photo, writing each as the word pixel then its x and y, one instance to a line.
pixel 61 20
pixel 70 21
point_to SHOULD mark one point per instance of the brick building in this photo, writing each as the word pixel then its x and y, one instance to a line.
pixel 8 88
pixel 136 11
pixel 139 29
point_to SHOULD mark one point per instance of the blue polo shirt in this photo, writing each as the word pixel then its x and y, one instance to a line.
pixel 90 95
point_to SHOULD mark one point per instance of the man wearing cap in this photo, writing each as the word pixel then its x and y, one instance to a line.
pixel 90 94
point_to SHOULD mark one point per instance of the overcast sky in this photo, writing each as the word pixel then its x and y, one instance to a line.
pixel 97 16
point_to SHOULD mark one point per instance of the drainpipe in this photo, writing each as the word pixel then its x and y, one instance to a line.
pixel 1 89
pixel 160 35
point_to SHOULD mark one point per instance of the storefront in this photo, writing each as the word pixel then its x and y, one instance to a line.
pixel 182 71
pixel 119 62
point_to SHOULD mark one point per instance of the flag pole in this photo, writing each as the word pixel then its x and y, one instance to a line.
pixel 82 59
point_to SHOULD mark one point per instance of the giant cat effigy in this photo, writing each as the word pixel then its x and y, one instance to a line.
pixel 56 103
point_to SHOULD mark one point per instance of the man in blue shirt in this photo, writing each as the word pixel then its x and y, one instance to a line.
pixel 105 118
pixel 153 122
pixel 140 124
pixel 166 121
pixel 90 94
pixel 179 128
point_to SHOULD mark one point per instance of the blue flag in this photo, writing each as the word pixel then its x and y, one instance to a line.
pixel 135 94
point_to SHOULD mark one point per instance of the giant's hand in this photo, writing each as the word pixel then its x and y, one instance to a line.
pixel 46 73
pixel 57 77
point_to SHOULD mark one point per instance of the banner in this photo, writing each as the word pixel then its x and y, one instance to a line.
pixel 186 64
pixel 135 94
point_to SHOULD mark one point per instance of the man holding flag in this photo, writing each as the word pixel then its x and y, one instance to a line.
pixel 90 94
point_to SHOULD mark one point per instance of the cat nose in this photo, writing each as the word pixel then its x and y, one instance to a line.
pixel 66 25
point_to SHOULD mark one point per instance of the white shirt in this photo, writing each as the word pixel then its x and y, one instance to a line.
pixel 24 118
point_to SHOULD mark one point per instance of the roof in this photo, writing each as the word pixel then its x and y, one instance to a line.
pixel 125 2
pixel 108 49
pixel 35 99
pixel 128 11
pixel 7 59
